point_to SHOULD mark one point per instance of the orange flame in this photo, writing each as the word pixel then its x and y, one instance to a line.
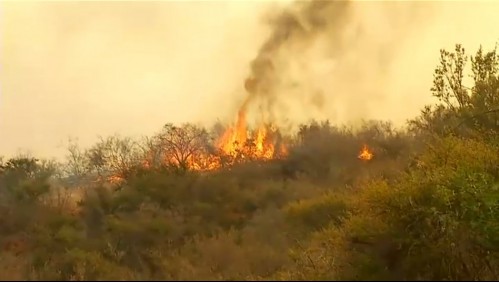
pixel 239 142
pixel 236 143
pixel 365 154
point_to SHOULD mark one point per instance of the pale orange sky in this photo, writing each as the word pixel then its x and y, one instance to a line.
pixel 83 69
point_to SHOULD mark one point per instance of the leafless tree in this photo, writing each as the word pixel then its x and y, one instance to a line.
pixel 77 163
pixel 114 156
pixel 182 145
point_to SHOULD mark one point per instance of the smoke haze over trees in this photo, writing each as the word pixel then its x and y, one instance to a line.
pixel 88 61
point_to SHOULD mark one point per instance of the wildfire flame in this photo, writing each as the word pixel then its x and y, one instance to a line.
pixel 259 144
pixel 235 144
pixel 262 142
pixel 365 154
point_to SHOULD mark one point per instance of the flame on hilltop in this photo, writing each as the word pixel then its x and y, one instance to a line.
pixel 234 137
pixel 365 154
pixel 236 144
pixel 238 141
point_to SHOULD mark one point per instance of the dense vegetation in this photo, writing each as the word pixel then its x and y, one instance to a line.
pixel 425 207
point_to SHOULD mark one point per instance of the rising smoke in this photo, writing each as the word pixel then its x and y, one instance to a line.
pixel 325 52
pixel 295 30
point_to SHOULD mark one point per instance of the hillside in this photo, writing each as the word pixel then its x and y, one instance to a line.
pixel 331 202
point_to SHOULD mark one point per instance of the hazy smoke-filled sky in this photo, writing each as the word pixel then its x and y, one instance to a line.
pixel 83 69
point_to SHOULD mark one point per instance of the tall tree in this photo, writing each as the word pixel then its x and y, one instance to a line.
pixel 463 108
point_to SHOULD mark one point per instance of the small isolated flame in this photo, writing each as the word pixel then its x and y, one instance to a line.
pixel 365 154
pixel 115 179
